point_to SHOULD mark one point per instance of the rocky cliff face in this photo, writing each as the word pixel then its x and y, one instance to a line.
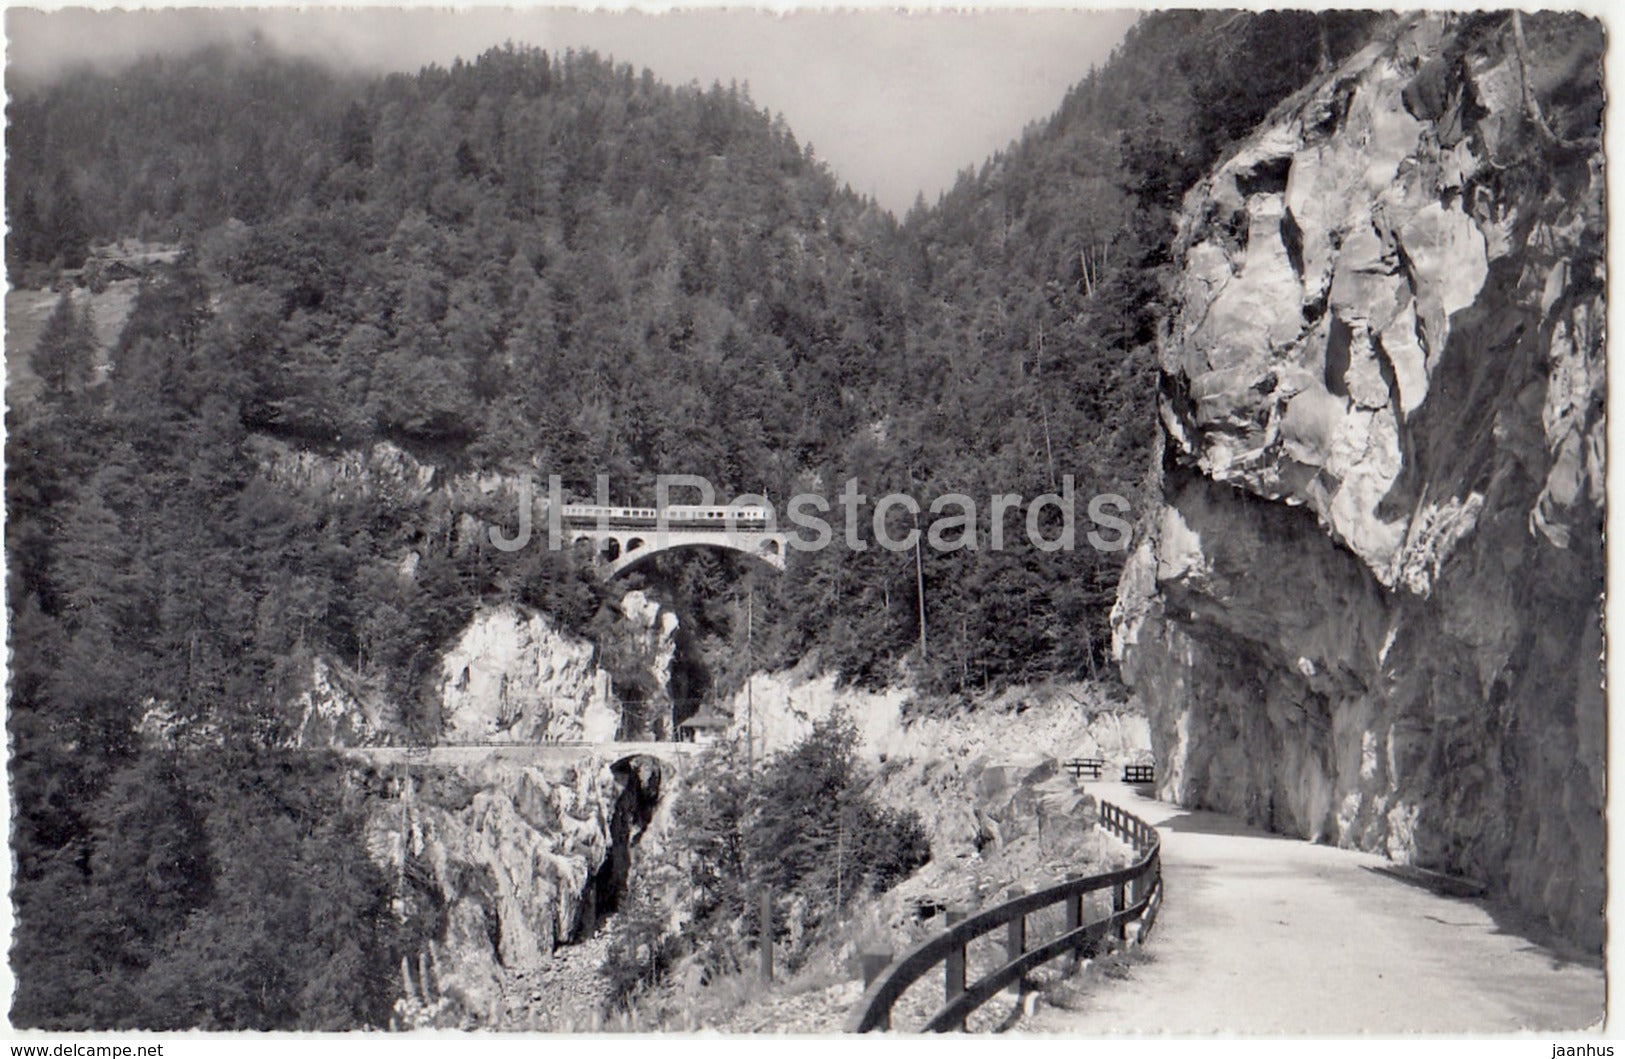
pixel 497 864
pixel 511 676
pixel 1061 720
pixel 1367 610
pixel 781 709
pixel 337 709
pixel 461 507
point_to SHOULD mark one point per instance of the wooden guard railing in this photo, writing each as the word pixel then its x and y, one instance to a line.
pixel 1136 892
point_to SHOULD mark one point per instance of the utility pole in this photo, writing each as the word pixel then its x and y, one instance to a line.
pixel 406 830
pixel 1043 407
pixel 919 568
pixel 764 916
pixel 840 853
pixel 750 661
pixel 919 586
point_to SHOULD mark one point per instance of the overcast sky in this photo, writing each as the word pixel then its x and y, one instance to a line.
pixel 895 102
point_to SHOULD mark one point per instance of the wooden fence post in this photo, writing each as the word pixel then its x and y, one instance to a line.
pixel 1119 903
pixel 765 926
pixel 1015 941
pixel 873 964
pixel 1074 912
pixel 954 965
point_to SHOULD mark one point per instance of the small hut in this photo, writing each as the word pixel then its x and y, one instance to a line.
pixel 704 728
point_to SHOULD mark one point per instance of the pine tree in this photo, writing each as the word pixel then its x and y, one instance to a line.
pixel 67 346
pixel 355 137
pixel 67 232
pixel 26 235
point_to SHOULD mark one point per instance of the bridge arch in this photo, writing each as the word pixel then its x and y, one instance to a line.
pixel 769 552
pixel 620 538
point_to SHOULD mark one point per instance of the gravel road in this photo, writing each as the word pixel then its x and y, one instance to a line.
pixel 1264 934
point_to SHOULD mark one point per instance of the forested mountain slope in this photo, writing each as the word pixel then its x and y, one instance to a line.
pixel 1035 289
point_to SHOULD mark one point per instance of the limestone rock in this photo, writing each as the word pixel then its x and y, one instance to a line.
pixel 498 863
pixel 337 709
pixel 511 676
pixel 781 709
pixel 1367 609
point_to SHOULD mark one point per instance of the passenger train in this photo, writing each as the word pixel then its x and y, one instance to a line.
pixel 678 516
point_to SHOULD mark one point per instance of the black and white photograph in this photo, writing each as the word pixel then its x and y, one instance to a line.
pixel 532 524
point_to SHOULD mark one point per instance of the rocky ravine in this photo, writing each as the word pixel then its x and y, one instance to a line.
pixel 499 863
pixel 1368 609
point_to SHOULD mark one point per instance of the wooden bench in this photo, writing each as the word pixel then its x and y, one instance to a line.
pixel 1139 774
pixel 1094 766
